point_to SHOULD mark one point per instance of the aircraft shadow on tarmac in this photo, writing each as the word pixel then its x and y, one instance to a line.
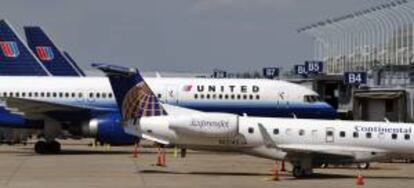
pixel 288 175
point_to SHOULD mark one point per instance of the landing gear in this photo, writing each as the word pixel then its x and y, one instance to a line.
pixel 363 165
pixel 42 147
pixel 300 172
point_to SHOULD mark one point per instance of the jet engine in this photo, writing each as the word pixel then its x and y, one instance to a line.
pixel 107 129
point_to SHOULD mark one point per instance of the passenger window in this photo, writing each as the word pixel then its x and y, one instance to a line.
pixel 394 136
pixel 195 96
pixel 244 97
pixel 110 95
pixel 251 97
pixel 23 94
pixel 4 94
pixel 257 97
pixel 30 94
pixel 201 96
pixel 226 96
pixel 251 130
pixel 17 94
pixel 54 94
pixel 238 97
pixel 36 94
pixel 67 95
pixel 60 94
pixel 342 134
pixel 42 94
pixel 301 132
pixel 232 96
pixel 98 95
pixel 47 94
pixel 275 131
pixel 90 95
pixel 368 135
pixel 80 95
pixel 355 134
pixel 104 95
pixel 208 96
pixel 407 137
pixel 73 95
pixel 214 96
pixel 220 96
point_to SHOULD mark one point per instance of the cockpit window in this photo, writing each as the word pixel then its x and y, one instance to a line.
pixel 312 98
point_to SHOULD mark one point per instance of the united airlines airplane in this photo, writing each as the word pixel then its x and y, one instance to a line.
pixel 85 106
pixel 305 143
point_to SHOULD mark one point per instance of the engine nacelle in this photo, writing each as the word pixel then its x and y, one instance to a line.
pixel 107 129
pixel 207 125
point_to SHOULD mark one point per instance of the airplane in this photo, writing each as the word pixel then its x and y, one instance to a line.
pixel 85 106
pixel 303 142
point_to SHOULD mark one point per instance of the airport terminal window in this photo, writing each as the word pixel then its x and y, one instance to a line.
pixel 250 130
pixel 407 137
pixel 368 135
pixel 301 132
pixel 394 136
pixel 355 134
pixel 275 131
pixel 342 134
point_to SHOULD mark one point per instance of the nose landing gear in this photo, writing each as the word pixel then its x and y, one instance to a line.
pixel 43 147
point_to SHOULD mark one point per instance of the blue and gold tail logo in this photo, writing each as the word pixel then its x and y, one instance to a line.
pixel 140 102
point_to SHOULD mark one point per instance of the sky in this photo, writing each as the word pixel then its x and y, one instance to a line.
pixel 181 35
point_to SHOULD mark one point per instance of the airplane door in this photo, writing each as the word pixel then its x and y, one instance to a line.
pixel 330 135
pixel 171 95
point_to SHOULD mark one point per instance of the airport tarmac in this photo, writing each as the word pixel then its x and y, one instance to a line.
pixel 80 165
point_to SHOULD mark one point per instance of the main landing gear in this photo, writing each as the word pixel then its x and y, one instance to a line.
pixel 43 147
pixel 302 168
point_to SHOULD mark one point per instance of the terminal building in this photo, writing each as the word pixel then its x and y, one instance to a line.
pixel 374 48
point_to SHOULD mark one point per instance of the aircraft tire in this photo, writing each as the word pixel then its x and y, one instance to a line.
pixel 40 147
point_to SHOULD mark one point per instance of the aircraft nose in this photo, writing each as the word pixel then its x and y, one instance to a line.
pixel 328 111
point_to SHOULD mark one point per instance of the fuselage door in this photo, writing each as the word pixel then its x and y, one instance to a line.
pixel 330 135
pixel 171 94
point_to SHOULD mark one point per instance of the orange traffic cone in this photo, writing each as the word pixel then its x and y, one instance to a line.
pixel 360 180
pixel 160 158
pixel 275 174
pixel 136 151
pixel 283 169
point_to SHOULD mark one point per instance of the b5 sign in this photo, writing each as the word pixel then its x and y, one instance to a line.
pixel 355 78
pixel 314 67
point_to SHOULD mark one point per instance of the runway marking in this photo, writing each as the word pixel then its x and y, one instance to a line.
pixel 140 175
pixel 16 170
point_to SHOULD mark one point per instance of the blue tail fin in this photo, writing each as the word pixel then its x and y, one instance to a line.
pixel 135 99
pixel 69 57
pixel 47 52
pixel 15 57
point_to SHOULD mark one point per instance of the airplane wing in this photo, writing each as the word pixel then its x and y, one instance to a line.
pixel 32 108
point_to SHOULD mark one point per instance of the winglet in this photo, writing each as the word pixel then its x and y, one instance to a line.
pixel 267 139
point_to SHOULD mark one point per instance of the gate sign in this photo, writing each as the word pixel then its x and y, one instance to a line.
pixel 355 78
pixel 300 70
pixel 270 72
pixel 314 67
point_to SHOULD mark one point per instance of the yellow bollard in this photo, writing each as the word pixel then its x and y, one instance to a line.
pixel 175 153
pixel 109 147
pixel 94 144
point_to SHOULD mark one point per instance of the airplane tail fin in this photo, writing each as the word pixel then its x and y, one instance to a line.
pixel 15 57
pixel 134 98
pixel 69 57
pixel 48 53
